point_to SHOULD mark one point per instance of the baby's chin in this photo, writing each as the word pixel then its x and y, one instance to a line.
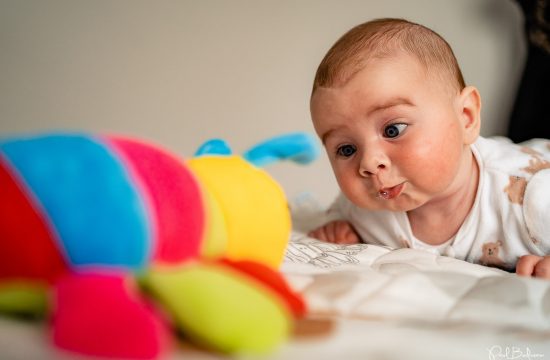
pixel 402 203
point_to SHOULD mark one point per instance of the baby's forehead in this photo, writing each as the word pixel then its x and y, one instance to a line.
pixel 382 82
pixel 433 73
pixel 386 59
pixel 401 58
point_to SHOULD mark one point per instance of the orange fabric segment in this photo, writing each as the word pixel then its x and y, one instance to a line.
pixel 271 279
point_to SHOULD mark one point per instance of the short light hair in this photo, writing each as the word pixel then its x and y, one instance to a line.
pixel 383 38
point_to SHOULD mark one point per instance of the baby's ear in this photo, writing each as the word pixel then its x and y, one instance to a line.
pixel 470 110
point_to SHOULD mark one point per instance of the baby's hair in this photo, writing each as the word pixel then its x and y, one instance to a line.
pixel 382 38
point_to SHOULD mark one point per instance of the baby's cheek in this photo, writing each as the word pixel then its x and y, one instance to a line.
pixel 353 189
pixel 346 174
pixel 433 166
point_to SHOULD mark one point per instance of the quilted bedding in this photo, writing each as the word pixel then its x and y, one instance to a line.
pixel 372 302
pixel 368 281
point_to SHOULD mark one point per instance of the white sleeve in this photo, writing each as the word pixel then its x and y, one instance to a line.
pixel 338 209
pixel 308 214
pixel 536 211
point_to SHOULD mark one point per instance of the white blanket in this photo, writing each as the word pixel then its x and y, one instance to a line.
pixel 373 282
pixel 372 302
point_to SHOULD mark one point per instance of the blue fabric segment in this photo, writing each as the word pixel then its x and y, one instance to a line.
pixel 88 196
pixel 301 148
pixel 214 147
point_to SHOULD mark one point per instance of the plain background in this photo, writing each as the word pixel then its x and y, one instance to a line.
pixel 180 72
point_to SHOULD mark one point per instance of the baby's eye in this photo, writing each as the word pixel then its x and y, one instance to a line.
pixel 394 130
pixel 346 150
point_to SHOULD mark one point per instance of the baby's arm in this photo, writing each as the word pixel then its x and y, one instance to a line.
pixel 337 232
pixel 533 265
pixel 536 206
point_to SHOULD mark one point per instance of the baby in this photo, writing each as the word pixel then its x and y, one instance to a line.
pixel 401 130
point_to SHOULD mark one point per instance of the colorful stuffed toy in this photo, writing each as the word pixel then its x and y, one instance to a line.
pixel 119 241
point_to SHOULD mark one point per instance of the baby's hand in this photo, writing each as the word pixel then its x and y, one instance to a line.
pixel 337 232
pixel 532 265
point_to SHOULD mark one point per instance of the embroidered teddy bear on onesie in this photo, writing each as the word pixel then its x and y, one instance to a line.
pixel 490 254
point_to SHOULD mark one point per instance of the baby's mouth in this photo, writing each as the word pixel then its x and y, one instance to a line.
pixel 389 193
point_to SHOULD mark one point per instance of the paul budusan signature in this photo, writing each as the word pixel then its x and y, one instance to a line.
pixel 497 352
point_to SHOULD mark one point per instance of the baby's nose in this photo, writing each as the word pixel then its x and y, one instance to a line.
pixel 372 164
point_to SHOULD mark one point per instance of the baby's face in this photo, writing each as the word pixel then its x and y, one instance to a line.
pixel 394 136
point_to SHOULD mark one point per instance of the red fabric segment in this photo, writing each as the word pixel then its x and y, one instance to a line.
pixel 174 196
pixel 28 249
pixel 101 315
pixel 273 280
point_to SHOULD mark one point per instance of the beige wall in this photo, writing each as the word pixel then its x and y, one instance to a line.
pixel 179 72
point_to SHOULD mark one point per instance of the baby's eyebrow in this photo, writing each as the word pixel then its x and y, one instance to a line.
pixel 389 104
pixel 326 135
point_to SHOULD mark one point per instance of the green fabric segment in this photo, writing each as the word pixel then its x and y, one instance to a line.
pixel 24 298
pixel 221 308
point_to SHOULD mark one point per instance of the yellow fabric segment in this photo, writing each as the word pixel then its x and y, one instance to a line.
pixel 214 243
pixel 221 308
pixel 254 207
pixel 24 297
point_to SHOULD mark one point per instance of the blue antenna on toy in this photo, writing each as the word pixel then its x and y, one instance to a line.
pixel 301 148
pixel 214 147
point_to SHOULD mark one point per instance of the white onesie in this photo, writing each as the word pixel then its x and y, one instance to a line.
pixel 510 216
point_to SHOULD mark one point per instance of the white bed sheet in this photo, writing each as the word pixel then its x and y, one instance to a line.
pixel 410 304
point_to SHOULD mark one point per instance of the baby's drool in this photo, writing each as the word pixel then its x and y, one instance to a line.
pixel 384 194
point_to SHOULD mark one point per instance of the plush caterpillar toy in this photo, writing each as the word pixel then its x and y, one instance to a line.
pixel 119 241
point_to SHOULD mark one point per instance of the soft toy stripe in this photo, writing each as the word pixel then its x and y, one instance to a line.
pixel 23 224
pixel 88 197
pixel 176 205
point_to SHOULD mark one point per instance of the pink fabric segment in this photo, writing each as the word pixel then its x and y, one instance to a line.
pixel 101 315
pixel 174 196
